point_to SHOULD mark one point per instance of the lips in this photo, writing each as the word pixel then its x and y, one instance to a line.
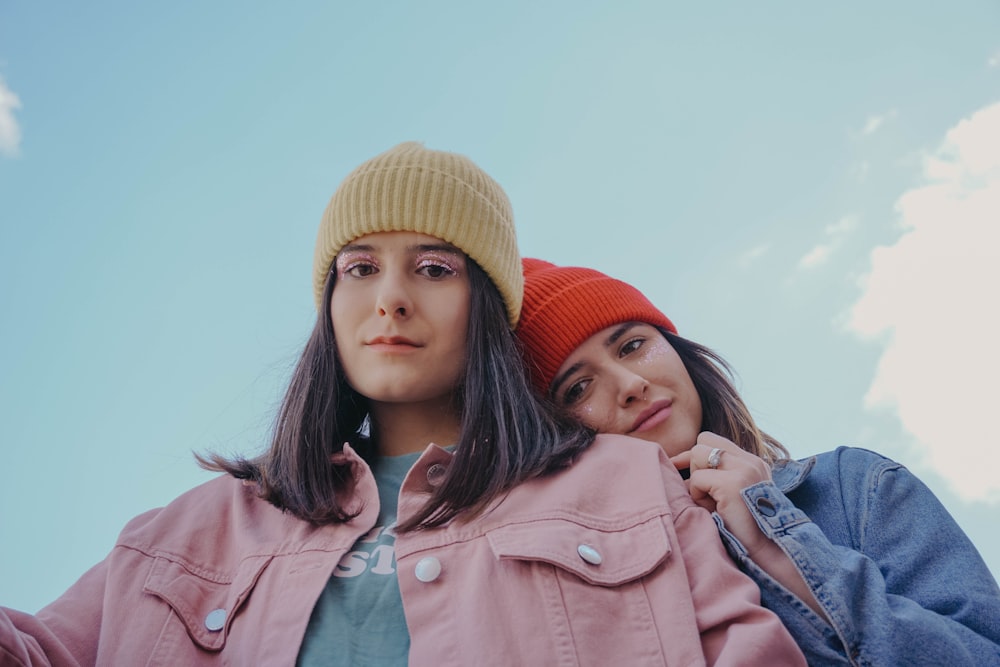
pixel 392 340
pixel 652 416
pixel 392 345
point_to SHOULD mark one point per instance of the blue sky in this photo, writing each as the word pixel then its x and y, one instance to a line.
pixel 810 190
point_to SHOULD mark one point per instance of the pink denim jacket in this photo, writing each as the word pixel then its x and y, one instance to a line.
pixel 607 562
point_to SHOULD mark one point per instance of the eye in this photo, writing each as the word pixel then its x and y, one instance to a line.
pixel 435 266
pixel 359 269
pixel 432 270
pixel 630 346
pixel 575 391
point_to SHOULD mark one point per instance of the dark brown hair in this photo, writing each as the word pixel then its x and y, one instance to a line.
pixel 723 411
pixel 507 435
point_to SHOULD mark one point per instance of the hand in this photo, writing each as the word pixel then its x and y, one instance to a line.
pixel 718 489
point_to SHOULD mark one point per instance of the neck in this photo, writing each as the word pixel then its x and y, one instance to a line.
pixel 402 428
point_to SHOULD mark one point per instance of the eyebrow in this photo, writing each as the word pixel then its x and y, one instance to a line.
pixel 619 332
pixel 420 247
pixel 613 338
pixel 437 247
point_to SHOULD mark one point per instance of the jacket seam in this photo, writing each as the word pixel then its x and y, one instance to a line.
pixel 208 574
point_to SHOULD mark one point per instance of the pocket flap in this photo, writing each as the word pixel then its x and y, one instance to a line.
pixel 205 603
pixel 597 555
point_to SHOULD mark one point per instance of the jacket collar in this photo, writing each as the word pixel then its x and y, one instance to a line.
pixel 788 474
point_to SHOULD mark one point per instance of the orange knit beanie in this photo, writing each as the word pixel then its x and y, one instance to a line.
pixel 565 305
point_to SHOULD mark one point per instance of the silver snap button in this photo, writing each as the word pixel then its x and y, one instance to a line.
pixel 435 474
pixel 427 569
pixel 589 554
pixel 216 620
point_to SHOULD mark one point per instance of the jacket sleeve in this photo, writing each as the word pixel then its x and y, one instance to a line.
pixel 910 589
pixel 63 633
pixel 735 629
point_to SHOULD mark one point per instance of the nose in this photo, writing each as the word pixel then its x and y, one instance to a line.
pixel 631 387
pixel 393 299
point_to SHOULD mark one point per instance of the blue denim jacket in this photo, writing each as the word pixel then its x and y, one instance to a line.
pixel 899 580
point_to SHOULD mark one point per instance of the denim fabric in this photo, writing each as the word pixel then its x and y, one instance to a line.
pixel 899 580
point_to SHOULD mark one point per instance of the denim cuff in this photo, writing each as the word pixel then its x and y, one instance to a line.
pixel 773 511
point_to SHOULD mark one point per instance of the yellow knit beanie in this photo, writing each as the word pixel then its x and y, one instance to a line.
pixel 410 188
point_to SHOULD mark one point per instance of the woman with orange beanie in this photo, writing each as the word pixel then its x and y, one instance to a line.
pixel 856 556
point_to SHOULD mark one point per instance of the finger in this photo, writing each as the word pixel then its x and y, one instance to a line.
pixel 712 440
pixel 682 460
pixel 701 496
pixel 714 460
pixel 749 468
pixel 706 502
pixel 700 457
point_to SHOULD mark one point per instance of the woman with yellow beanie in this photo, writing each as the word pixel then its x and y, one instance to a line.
pixel 855 555
pixel 416 504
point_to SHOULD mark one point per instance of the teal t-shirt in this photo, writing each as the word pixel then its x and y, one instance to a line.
pixel 358 619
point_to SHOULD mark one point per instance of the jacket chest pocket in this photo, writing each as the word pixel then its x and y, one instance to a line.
pixel 597 555
pixel 588 587
pixel 205 603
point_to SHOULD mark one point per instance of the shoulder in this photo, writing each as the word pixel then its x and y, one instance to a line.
pixel 209 498
pixel 616 476
pixel 221 514
pixel 861 477
pixel 621 460
pixel 621 450
pixel 852 462
pixel 847 456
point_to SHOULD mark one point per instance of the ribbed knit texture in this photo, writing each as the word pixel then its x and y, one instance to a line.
pixel 566 305
pixel 411 188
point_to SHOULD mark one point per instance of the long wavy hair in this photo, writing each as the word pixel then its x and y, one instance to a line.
pixel 507 434
pixel 723 411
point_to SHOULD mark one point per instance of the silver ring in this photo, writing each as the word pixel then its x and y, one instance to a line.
pixel 714 458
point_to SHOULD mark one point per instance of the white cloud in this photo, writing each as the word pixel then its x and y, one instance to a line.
pixel 994 60
pixel 753 254
pixel 10 132
pixel 842 227
pixel 932 298
pixel 816 256
pixel 835 235
pixel 876 121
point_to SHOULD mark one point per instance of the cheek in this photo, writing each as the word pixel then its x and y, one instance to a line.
pixel 449 310
pixel 337 322
pixel 345 304
pixel 659 357
pixel 595 418
pixel 460 325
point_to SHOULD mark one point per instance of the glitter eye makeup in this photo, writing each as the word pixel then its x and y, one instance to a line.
pixel 452 262
pixel 435 261
pixel 349 261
